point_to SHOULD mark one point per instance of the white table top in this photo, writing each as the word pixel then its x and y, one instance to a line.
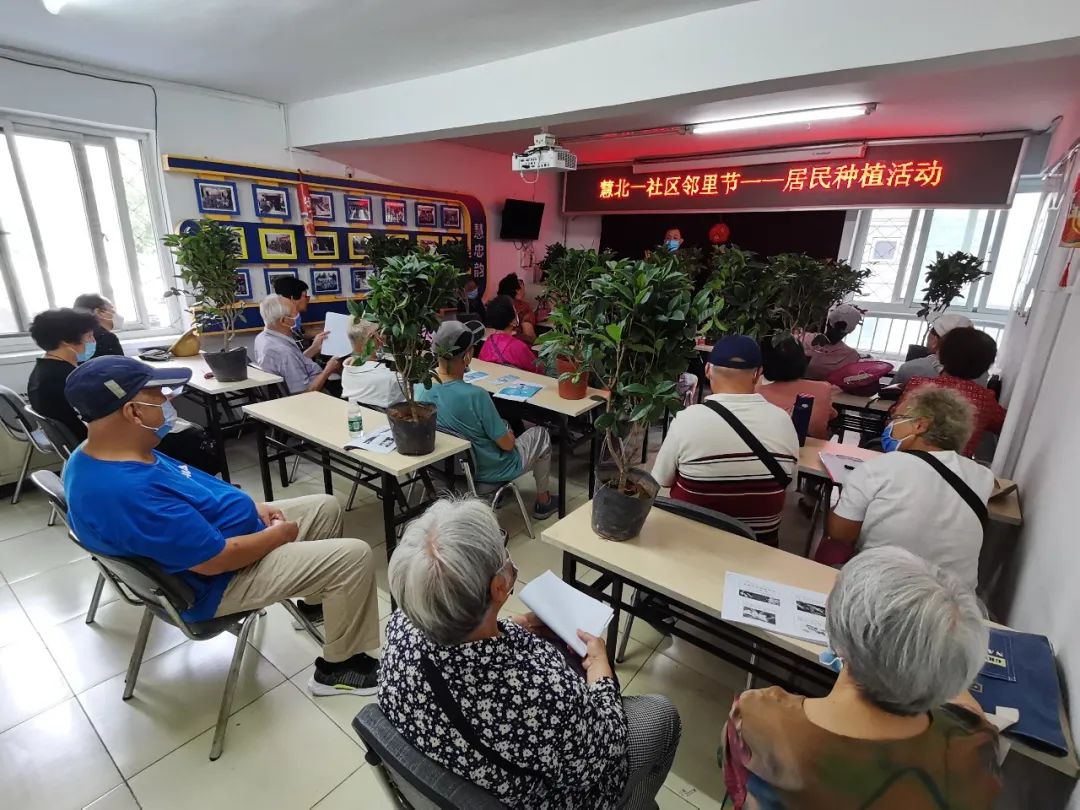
pixel 199 369
pixel 845 400
pixel 1002 509
pixel 548 398
pixel 323 420
pixel 688 561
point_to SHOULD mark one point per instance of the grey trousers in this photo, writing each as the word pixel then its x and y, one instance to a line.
pixel 654 731
pixel 534 447
pixel 320 566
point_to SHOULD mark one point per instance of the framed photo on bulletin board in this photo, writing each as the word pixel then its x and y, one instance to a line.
pixel 243 285
pixel 325 281
pixel 324 246
pixel 357 209
pixel 241 239
pixel 425 215
pixel 358 245
pixel 427 241
pixel 272 274
pixel 451 217
pixel 271 202
pixel 394 212
pixel 277 243
pixel 322 203
pixel 359 278
pixel 217 197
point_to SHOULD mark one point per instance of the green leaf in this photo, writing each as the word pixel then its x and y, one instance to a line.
pixel 614 331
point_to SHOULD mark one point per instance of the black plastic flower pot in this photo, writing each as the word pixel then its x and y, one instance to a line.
pixel 413 427
pixel 230 366
pixel 618 514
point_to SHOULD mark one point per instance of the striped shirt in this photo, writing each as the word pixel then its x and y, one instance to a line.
pixel 704 461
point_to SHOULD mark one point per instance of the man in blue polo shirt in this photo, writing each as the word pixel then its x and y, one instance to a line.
pixel 127 499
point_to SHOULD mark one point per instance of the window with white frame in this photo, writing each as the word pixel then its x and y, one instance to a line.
pixel 78 214
pixel 897 244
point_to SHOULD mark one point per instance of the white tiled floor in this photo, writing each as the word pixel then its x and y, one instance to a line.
pixel 67 740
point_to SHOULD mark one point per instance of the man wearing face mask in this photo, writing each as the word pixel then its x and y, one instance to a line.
pixel 126 499
pixel 277 352
pixel 108 321
pixel 928 498
pixel 67 337
pixel 736 452
pixel 673 239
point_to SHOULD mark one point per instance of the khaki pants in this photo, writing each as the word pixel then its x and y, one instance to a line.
pixel 320 566
pixel 534 447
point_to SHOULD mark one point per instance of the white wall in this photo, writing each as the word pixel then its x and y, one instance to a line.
pixel 488 177
pixel 756 46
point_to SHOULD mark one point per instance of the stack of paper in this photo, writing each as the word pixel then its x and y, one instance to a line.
pixel 519 392
pixel 772 606
pixel 380 440
pixel 839 466
pixel 473 376
pixel 565 609
pixel 337 343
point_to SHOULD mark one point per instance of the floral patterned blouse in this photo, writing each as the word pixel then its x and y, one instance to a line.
pixel 524 701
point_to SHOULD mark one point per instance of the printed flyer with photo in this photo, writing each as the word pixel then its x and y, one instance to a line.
pixel 772 606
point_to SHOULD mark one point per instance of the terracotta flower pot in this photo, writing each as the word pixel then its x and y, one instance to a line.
pixel 568 389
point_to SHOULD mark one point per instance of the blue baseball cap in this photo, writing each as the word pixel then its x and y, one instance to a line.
pixel 736 351
pixel 103 385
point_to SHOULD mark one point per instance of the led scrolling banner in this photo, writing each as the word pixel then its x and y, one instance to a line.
pixel 970 173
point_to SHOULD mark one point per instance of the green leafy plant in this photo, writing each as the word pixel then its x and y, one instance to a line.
pixel 569 278
pixel 946 277
pixel 456 252
pixel 811 287
pixel 640 320
pixel 381 246
pixel 405 299
pixel 555 252
pixel 745 294
pixel 207 259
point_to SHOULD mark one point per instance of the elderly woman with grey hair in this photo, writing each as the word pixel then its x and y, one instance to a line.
pixel 363 377
pixel 493 699
pixel 929 498
pixel 899 730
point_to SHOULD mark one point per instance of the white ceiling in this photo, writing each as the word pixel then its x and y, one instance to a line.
pixel 1017 96
pixel 290 50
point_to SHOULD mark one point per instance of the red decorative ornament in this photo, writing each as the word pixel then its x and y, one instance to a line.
pixel 719 233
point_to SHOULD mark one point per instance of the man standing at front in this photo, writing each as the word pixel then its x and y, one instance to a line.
pixel 127 500
pixel 735 453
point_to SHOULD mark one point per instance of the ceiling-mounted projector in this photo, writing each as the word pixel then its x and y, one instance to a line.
pixel 545 155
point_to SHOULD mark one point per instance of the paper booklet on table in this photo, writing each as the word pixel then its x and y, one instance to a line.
pixel 839 466
pixel 506 379
pixel 473 376
pixel 772 606
pixel 565 609
pixel 380 440
pixel 519 392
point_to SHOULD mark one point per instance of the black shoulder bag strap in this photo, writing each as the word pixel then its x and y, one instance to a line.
pixel 453 713
pixel 752 441
pixel 957 483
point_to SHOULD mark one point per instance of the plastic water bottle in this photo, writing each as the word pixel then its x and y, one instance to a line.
pixel 356 420
pixel 800 416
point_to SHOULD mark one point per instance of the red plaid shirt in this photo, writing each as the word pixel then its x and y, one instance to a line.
pixel 989 415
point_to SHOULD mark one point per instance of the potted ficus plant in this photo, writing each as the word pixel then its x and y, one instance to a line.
pixel 569 277
pixel 207 258
pixel 406 296
pixel 745 294
pixel 642 316
pixel 946 278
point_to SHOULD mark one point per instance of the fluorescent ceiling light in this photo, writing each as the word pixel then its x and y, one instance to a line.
pixel 54 6
pixel 757 158
pixel 781 119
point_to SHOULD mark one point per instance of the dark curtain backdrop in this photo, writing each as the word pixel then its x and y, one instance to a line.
pixel 816 233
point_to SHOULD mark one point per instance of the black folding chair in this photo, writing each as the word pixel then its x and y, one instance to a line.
pixel 416 781
pixel 709 517
pixel 19 425
pixel 142 583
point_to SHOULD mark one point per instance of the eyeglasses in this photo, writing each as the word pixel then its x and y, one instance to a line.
pixel 899 417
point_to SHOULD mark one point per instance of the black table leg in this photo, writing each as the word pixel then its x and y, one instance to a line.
pixel 613 625
pixel 264 462
pixel 327 472
pixel 213 424
pixel 389 498
pixel 564 452
pixel 569 567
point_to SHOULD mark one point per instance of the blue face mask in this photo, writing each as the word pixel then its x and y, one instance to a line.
pixel 889 443
pixel 672 244
pixel 831 660
pixel 168 410
pixel 88 351
pixel 473 294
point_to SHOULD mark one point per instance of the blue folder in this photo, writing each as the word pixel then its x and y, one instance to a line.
pixel 1020 672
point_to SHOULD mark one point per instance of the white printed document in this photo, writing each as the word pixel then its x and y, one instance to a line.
pixel 839 466
pixel 380 440
pixel 565 609
pixel 772 606
pixel 337 343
